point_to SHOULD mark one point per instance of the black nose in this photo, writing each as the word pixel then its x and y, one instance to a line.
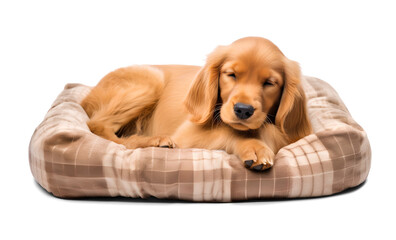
pixel 243 111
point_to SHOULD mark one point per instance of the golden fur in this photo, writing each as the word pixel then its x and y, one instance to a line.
pixel 142 106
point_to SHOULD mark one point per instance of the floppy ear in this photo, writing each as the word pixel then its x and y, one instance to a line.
pixel 292 116
pixel 202 96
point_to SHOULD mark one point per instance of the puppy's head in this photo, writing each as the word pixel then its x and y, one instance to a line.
pixel 248 83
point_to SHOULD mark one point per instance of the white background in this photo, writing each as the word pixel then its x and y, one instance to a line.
pixel 46 44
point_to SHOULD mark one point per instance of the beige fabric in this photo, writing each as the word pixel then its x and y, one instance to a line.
pixel 69 161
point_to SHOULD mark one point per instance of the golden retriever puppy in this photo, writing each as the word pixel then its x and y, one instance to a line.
pixel 246 100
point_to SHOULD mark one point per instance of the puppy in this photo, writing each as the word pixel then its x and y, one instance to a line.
pixel 246 100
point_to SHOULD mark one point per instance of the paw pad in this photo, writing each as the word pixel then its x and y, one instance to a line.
pixel 248 163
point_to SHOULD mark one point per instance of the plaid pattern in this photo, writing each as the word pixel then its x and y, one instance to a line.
pixel 69 161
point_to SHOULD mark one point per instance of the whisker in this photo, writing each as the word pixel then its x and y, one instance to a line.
pixel 267 119
pixel 216 116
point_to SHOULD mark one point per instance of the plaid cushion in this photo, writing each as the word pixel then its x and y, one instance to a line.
pixel 69 161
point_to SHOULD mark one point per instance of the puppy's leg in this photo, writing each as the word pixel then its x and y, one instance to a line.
pixel 259 154
pixel 254 153
pixel 125 95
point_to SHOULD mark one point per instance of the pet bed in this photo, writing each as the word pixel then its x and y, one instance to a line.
pixel 69 161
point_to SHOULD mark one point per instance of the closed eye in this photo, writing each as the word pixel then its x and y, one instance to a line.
pixel 232 75
pixel 269 82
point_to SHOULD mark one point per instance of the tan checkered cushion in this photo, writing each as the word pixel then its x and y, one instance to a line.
pixel 69 161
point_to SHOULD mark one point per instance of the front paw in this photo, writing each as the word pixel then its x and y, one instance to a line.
pixel 136 141
pixel 255 155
